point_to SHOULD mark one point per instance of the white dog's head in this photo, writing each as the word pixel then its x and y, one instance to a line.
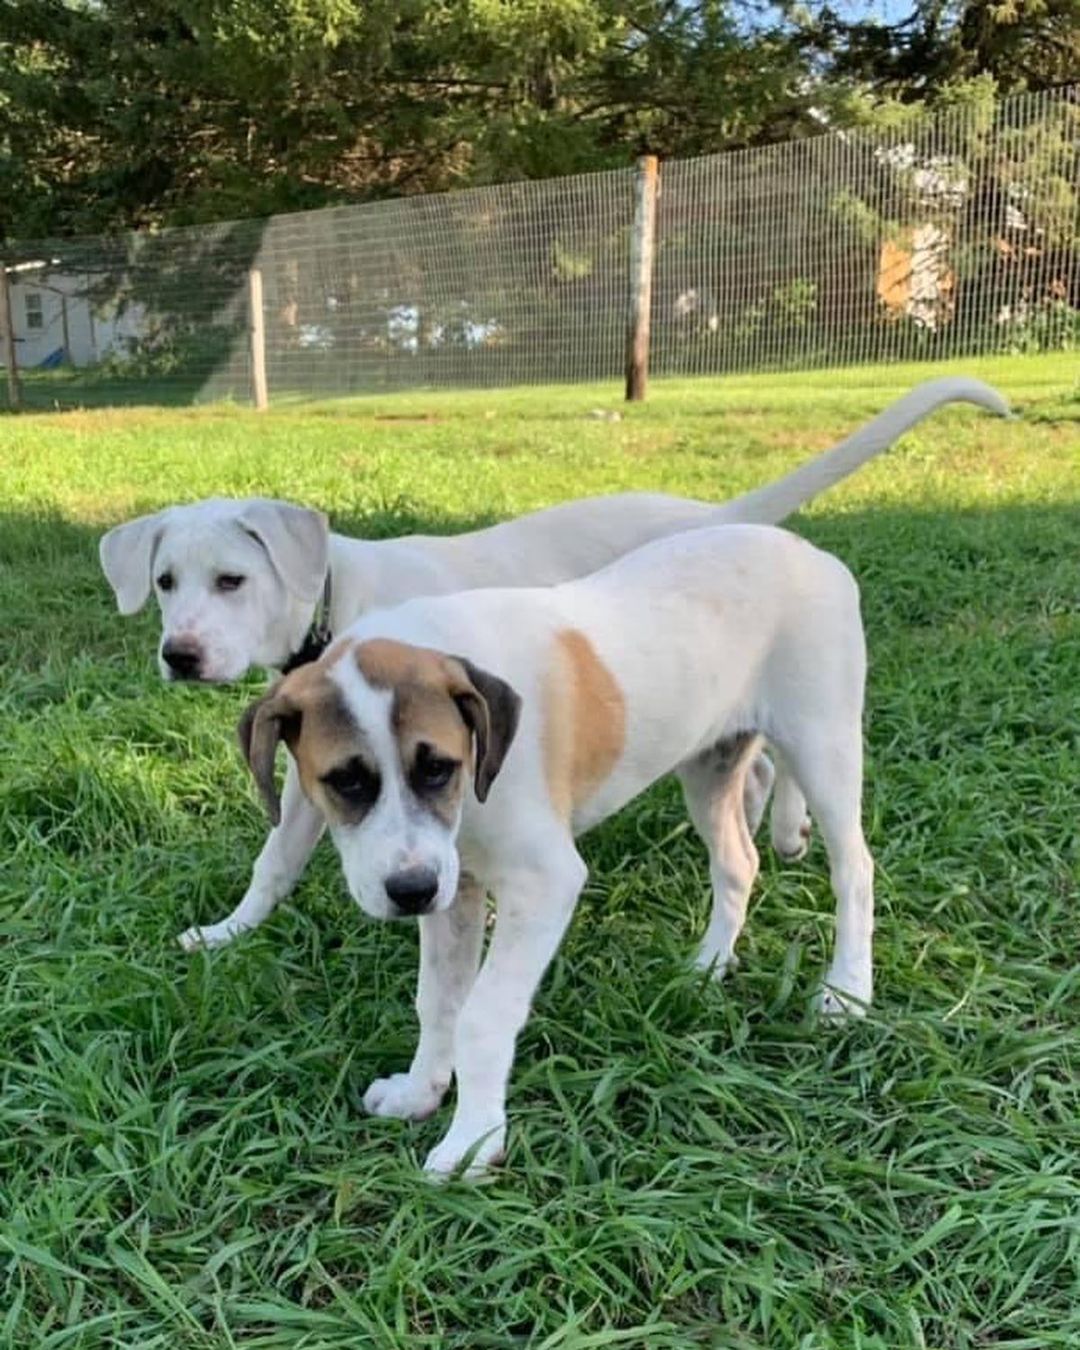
pixel 236 581
pixel 385 737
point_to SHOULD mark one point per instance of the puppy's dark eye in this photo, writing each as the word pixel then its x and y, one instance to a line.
pixel 165 581
pixel 354 783
pixel 229 581
pixel 431 772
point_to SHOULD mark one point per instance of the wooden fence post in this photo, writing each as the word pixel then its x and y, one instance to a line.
pixel 7 340
pixel 257 333
pixel 641 274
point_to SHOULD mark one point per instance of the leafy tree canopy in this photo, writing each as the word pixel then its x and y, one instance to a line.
pixel 130 113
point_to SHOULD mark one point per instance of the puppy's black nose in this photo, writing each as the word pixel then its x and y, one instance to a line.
pixel 183 659
pixel 413 890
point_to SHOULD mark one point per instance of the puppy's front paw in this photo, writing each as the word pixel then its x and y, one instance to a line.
pixel 843 996
pixel 709 958
pixel 403 1097
pixel 483 1148
pixel 214 935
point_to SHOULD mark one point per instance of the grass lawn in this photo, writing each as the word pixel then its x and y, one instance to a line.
pixel 183 1160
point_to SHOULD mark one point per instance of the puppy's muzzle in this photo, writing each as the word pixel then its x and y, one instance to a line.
pixel 184 659
pixel 412 891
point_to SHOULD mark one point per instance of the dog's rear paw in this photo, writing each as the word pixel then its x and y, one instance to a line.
pixel 708 958
pixel 403 1097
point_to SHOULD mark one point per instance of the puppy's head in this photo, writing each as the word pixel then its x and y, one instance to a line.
pixel 387 739
pixel 236 581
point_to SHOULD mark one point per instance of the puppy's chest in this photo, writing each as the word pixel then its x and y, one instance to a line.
pixel 480 854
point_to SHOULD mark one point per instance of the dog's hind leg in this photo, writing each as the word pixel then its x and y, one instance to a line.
pixel 714 785
pixel 827 761
pixel 277 869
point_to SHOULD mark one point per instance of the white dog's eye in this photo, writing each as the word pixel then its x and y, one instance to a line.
pixel 165 581
pixel 229 581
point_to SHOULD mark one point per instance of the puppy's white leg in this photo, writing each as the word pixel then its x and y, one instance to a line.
pixel 450 944
pixel 790 822
pixel 534 909
pixel 714 785
pixel 276 871
pixel 828 762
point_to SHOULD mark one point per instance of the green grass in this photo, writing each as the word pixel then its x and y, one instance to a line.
pixel 183 1161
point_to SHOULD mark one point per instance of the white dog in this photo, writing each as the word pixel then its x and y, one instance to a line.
pixel 239 583
pixel 560 705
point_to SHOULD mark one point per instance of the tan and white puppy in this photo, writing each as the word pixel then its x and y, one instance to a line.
pixel 238 584
pixel 455 746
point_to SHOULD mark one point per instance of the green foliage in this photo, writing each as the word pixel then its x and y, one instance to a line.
pixel 938 46
pixel 569 264
pixel 130 114
pixel 857 213
pixel 1046 326
pixel 874 109
pixel 796 302
pixel 191 110
pixel 171 350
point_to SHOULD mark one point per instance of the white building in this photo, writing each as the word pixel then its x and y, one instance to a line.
pixel 55 322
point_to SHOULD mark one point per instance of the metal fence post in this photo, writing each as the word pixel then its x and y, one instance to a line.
pixel 7 340
pixel 257 333
pixel 641 274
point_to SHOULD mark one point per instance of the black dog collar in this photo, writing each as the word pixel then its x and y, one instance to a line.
pixel 318 636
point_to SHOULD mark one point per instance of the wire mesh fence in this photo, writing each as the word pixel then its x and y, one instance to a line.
pixel 956 235
pixel 947 236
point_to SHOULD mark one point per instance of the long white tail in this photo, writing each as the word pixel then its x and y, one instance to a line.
pixel 771 504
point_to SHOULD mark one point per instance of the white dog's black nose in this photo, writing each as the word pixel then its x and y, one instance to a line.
pixel 183 659
pixel 412 891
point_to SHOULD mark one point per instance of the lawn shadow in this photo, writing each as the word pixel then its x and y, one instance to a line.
pixel 917 568
pixel 974 639
pixel 55 603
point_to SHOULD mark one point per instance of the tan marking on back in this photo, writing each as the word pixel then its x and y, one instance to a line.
pixel 584 722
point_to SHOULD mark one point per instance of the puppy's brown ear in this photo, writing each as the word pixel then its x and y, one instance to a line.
pixel 490 709
pixel 272 719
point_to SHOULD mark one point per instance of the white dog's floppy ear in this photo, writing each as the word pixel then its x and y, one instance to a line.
pixel 273 718
pixel 297 540
pixel 491 709
pixel 126 554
